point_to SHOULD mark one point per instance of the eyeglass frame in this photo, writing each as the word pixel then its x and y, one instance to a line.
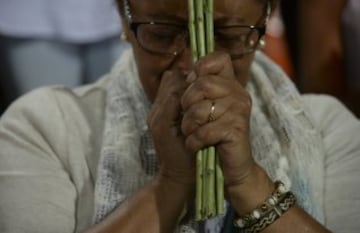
pixel 261 29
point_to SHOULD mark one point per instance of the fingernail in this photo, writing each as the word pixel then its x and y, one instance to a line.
pixel 191 77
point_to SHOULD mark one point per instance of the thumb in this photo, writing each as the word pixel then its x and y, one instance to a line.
pixel 168 96
pixel 164 118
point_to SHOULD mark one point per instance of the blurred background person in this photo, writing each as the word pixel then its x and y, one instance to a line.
pixel 47 42
pixel 351 41
pixel 276 45
pixel 324 40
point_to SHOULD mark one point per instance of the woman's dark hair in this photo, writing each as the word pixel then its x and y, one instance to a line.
pixel 120 6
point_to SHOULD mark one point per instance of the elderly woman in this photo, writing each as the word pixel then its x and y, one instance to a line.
pixel 118 155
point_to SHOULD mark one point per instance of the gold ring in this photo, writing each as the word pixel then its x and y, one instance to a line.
pixel 211 116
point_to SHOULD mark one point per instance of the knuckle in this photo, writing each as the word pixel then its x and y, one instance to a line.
pixel 189 124
pixel 206 135
pixel 224 57
pixel 204 85
pixel 194 113
pixel 241 128
pixel 154 121
pixel 184 102
pixel 204 64
pixel 186 127
pixel 192 144
pixel 232 135
pixel 200 65
pixel 245 105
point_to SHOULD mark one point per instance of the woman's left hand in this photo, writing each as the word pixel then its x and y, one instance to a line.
pixel 215 91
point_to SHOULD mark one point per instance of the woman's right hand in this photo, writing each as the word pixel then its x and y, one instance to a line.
pixel 175 162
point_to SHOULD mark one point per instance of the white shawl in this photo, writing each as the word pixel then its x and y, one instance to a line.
pixel 284 140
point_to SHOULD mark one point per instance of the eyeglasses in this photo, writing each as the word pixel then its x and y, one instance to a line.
pixel 172 39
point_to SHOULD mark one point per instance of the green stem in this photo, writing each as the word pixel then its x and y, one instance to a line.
pixel 199 186
pixel 209 19
pixel 219 187
pixel 210 172
pixel 192 30
pixel 205 194
pixel 200 27
pixel 209 178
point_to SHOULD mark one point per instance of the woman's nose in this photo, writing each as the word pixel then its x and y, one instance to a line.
pixel 183 60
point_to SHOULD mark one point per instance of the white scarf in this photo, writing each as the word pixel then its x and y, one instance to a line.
pixel 284 140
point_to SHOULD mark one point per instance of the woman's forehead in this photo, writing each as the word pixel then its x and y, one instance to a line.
pixel 248 10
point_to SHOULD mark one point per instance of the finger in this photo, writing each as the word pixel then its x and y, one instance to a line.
pixel 172 83
pixel 206 87
pixel 167 101
pixel 229 129
pixel 200 114
pixel 164 119
pixel 217 63
pixel 165 112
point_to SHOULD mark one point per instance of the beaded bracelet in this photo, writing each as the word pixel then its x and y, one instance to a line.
pixel 262 210
pixel 288 201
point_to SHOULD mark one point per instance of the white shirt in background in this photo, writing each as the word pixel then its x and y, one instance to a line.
pixel 76 21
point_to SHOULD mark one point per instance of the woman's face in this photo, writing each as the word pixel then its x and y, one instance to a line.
pixel 152 66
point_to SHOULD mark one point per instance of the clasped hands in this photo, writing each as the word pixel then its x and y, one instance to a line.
pixel 208 106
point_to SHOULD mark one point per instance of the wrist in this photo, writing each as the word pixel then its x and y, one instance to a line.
pixel 179 194
pixel 251 191
pixel 177 176
pixel 177 183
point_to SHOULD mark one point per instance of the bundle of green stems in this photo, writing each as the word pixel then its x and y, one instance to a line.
pixel 209 200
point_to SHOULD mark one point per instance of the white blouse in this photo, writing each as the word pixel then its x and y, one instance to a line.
pixel 49 149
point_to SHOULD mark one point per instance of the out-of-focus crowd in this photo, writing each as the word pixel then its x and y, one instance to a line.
pixel 51 42
pixel 323 41
pixel 71 43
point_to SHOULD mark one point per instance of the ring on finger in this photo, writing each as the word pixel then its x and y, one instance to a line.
pixel 211 116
